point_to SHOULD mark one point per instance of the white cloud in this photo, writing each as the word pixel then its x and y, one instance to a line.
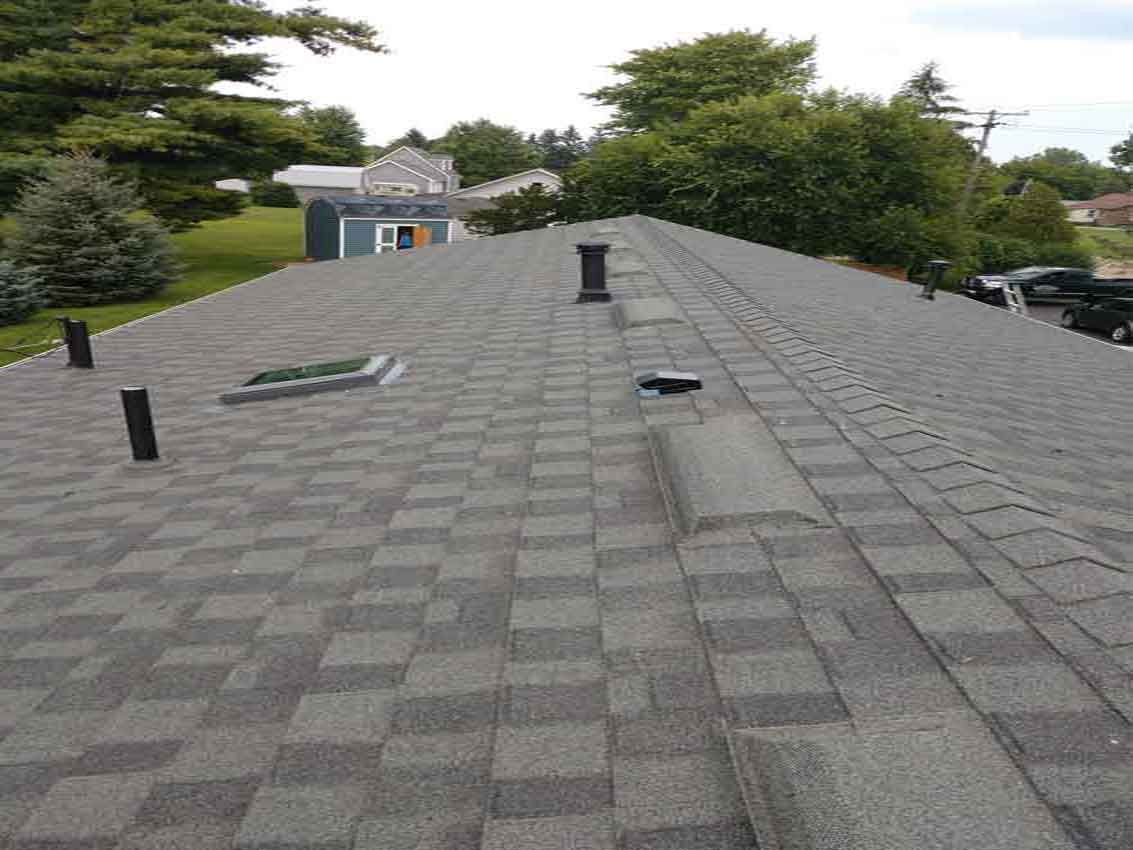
pixel 525 64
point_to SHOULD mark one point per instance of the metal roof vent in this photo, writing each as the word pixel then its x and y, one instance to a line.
pixel 317 378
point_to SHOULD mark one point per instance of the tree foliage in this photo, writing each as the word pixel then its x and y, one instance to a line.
pixel 337 131
pixel 929 91
pixel 485 151
pixel 21 293
pixel 1121 154
pixel 529 208
pixel 1069 171
pixel 559 151
pixel 268 193
pixel 137 84
pixel 1036 216
pixel 77 229
pixel 413 138
pixel 813 174
pixel 667 83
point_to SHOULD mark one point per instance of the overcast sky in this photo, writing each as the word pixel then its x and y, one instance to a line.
pixel 526 64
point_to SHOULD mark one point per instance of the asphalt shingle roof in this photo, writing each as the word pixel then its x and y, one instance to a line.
pixel 453 612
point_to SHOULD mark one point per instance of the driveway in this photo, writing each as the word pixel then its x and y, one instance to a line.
pixel 1052 314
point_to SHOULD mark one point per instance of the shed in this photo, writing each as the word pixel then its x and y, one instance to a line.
pixel 351 225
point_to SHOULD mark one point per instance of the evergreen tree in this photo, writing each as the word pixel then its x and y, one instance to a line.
pixel 337 131
pixel 136 83
pixel 77 230
pixel 573 144
pixel 413 138
pixel 21 293
pixel 559 150
pixel 529 208
pixel 929 91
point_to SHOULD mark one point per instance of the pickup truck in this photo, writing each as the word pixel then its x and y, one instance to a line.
pixel 1046 283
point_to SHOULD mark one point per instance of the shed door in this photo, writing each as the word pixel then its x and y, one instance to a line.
pixel 387 238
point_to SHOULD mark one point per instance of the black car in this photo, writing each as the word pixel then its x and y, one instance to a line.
pixel 1113 316
pixel 1037 283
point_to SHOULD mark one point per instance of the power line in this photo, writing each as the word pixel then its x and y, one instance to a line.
pixel 993 120
pixel 1094 130
pixel 1070 106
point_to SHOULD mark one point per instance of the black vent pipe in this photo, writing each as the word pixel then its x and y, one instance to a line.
pixel 593 256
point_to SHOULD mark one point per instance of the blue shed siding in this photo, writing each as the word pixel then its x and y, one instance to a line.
pixel 358 237
pixel 321 231
pixel 440 230
pixel 361 234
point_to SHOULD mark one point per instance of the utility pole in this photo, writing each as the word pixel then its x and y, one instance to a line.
pixel 991 123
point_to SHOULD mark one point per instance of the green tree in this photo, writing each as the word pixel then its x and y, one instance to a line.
pixel 621 177
pixel 337 131
pixel 1067 170
pixel 1121 155
pixel 485 151
pixel 268 193
pixel 812 174
pixel 559 151
pixel 413 138
pixel 21 293
pixel 928 90
pixel 1037 216
pixel 77 229
pixel 529 208
pixel 137 84
pixel 669 82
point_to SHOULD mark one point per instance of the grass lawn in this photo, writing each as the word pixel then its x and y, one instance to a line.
pixel 216 255
pixel 1107 242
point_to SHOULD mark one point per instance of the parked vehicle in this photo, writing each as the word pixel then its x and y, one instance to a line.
pixel 1113 316
pixel 1046 283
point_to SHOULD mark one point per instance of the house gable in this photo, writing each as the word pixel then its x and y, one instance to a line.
pixel 391 171
pixel 510 183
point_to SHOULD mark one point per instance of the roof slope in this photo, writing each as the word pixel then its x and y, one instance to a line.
pixel 1113 201
pixel 329 176
pixel 454 612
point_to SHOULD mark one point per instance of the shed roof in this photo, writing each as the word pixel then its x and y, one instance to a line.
pixel 461 610
pixel 379 206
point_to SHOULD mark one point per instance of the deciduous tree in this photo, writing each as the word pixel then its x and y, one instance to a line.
pixel 1069 171
pixel 485 151
pixel 669 82
pixel 337 131
pixel 812 173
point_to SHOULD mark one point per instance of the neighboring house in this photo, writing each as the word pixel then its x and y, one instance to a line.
pixel 1112 210
pixel 410 169
pixel 314 181
pixel 1080 212
pixel 511 183
pixel 480 196
pixel 406 172
pixel 234 184
pixel 847 595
